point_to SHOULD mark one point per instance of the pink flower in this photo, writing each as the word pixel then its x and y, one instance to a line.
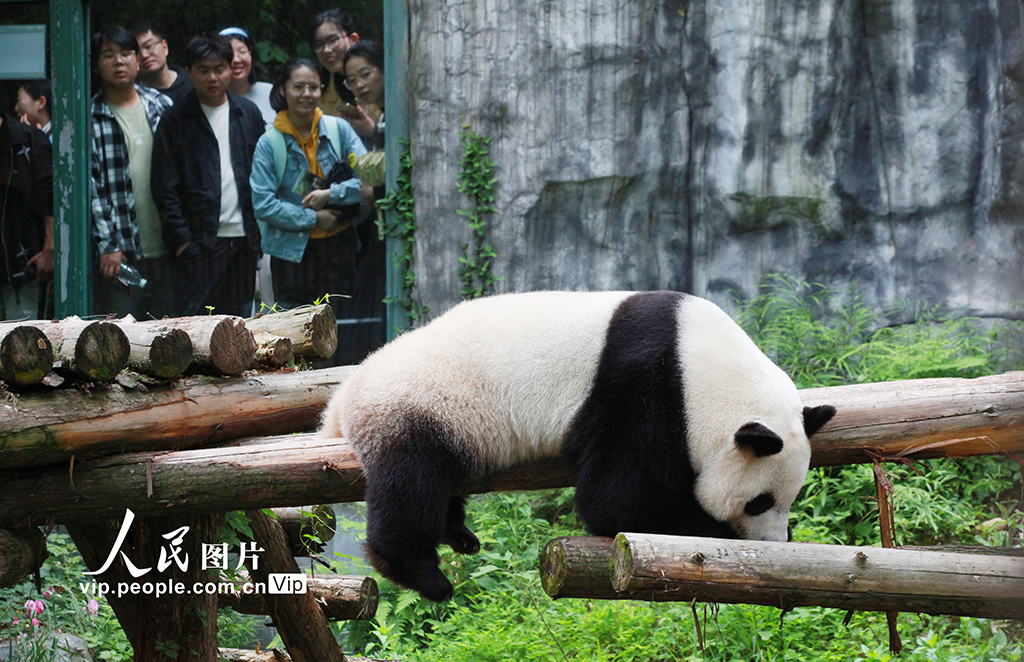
pixel 34 607
pixel 49 592
pixel 15 621
pixel 35 622
pixel 93 607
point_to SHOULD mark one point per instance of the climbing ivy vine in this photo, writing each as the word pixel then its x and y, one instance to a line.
pixel 477 181
pixel 403 228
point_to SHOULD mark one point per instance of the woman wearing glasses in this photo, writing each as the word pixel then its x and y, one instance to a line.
pixel 332 35
pixel 304 194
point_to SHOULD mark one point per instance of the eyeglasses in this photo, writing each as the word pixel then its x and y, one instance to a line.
pixel 149 45
pixel 299 88
pixel 363 76
pixel 110 56
pixel 332 42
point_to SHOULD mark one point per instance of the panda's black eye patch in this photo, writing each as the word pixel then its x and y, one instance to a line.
pixel 762 503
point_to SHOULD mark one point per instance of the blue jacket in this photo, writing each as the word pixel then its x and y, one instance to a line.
pixel 285 224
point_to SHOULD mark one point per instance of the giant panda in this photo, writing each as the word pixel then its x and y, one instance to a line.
pixel 674 421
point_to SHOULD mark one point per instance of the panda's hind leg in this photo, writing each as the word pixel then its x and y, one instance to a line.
pixel 456 535
pixel 408 492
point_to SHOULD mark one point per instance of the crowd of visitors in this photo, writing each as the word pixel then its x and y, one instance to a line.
pixel 199 170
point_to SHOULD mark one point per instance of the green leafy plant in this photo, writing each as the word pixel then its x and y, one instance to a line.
pixel 403 227
pixel 476 180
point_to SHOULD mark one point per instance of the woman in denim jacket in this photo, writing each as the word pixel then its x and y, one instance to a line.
pixel 304 193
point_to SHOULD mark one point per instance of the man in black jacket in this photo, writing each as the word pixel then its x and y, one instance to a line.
pixel 26 218
pixel 202 159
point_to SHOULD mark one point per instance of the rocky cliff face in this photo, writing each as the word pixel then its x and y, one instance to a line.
pixel 699 145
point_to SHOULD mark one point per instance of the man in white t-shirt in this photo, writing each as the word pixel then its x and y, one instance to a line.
pixel 125 223
pixel 202 160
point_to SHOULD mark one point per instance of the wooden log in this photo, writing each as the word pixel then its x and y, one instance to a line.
pixel 94 351
pixel 22 552
pixel 341 598
pixel 221 344
pixel 54 426
pixel 298 618
pixel 920 418
pixel 26 355
pixel 577 567
pixel 788 575
pixel 160 351
pixel 272 351
pixel 313 330
pixel 307 529
pixel 307 470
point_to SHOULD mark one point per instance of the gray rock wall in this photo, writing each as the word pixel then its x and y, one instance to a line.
pixel 697 146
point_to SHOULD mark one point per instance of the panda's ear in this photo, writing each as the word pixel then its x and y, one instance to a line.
pixel 815 418
pixel 758 439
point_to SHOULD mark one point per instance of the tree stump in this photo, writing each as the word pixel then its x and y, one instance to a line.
pixel 272 351
pixel 26 355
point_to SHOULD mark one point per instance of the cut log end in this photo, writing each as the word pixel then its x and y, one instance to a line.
pixel 170 354
pixel 232 346
pixel 21 552
pixel 26 356
pixel 101 351
pixel 323 333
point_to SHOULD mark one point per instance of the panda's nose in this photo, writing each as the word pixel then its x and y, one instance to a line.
pixel 789 534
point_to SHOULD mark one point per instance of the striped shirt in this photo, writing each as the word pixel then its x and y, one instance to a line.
pixel 114 225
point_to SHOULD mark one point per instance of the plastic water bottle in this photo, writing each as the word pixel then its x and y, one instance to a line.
pixel 130 276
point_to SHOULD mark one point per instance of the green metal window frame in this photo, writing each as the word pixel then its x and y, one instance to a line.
pixel 69 30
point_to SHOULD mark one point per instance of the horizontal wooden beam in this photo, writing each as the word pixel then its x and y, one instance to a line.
pixel 296 470
pixel 44 428
pixel 788 575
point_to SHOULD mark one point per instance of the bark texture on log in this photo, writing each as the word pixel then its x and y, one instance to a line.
pixel 578 567
pixel 920 418
pixel 51 427
pixel 341 598
pixel 26 355
pixel 313 330
pixel 22 551
pixel 298 618
pixel 788 575
pixel 94 351
pixel 160 351
pixel 183 625
pixel 272 351
pixel 221 344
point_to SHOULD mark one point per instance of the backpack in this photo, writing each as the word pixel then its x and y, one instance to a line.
pixel 276 139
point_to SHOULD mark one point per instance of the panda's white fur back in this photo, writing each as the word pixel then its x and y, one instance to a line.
pixel 506 373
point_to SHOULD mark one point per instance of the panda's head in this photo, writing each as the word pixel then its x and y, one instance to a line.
pixel 754 481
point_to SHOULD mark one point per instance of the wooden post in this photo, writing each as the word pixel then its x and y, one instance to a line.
pixel 22 552
pixel 578 567
pixel 313 330
pixel 341 598
pixel 26 355
pixel 788 575
pixel 170 627
pixel 298 618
